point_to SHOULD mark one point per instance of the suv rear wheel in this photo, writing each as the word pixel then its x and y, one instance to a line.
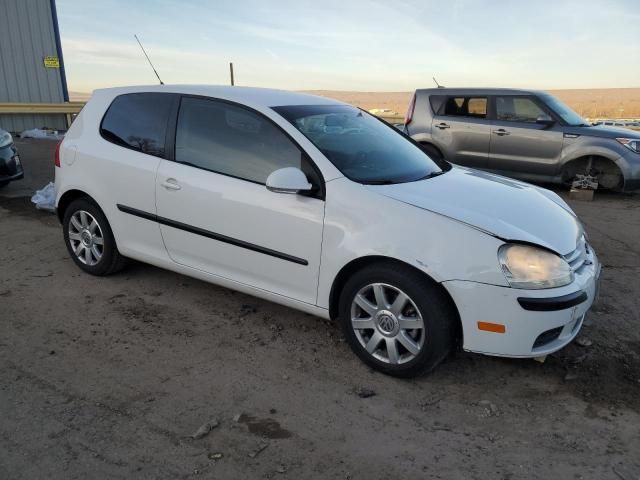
pixel 396 320
pixel 89 239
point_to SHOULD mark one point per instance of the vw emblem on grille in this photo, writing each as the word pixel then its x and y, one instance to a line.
pixel 386 323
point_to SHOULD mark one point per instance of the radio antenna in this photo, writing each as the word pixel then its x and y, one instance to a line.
pixel 436 82
pixel 149 60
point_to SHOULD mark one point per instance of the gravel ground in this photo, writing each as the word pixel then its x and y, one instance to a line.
pixel 111 377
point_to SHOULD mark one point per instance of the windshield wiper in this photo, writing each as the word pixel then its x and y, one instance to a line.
pixel 379 182
pixel 431 175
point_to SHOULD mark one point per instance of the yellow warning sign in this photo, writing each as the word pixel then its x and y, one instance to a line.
pixel 51 62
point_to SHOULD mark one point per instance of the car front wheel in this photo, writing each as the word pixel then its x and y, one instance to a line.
pixel 397 320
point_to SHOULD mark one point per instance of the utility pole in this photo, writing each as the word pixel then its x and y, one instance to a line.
pixel 231 72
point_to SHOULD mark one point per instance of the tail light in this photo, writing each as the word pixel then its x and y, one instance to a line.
pixel 412 105
pixel 57 157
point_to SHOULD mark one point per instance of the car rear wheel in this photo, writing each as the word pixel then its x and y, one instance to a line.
pixel 396 320
pixel 89 239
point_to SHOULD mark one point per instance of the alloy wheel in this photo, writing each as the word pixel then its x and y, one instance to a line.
pixel 387 323
pixel 85 237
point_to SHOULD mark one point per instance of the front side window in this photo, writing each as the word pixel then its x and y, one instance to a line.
pixel 232 140
pixel 138 121
pixel 518 109
pixel 464 107
pixel 567 114
pixel 363 148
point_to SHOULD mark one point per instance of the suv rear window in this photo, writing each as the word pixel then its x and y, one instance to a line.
pixel 138 121
pixel 475 107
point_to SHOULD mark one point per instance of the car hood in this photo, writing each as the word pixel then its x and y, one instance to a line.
pixel 603 132
pixel 500 206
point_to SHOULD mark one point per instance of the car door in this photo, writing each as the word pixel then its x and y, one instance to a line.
pixel 518 142
pixel 215 212
pixel 123 168
pixel 461 130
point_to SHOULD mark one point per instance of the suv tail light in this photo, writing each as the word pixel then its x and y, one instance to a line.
pixel 57 157
pixel 412 105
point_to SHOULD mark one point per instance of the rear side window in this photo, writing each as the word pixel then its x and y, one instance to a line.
pixel 138 121
pixel 232 140
pixel 437 101
pixel 518 109
pixel 475 107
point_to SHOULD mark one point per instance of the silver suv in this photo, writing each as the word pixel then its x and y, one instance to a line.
pixel 530 135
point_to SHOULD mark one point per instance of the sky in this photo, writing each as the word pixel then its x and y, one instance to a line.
pixel 362 45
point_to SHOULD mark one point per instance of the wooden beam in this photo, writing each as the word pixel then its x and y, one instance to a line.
pixel 66 108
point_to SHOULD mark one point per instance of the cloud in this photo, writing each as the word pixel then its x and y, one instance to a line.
pixel 355 45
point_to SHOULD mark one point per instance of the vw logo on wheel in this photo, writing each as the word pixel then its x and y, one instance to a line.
pixel 386 323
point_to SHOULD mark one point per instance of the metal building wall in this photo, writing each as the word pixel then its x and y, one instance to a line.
pixel 28 33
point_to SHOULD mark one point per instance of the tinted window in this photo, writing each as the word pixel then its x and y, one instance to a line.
pixel 232 140
pixel 437 101
pixel 363 148
pixel 465 107
pixel 518 109
pixel 138 121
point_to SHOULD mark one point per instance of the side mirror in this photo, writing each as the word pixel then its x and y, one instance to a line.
pixel 545 120
pixel 288 180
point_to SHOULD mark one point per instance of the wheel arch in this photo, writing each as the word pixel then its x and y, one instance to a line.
pixel 68 197
pixel 607 164
pixel 359 263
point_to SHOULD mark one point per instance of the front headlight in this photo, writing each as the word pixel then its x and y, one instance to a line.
pixel 5 139
pixel 632 144
pixel 531 267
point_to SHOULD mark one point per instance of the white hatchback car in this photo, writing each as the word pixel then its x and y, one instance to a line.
pixel 320 206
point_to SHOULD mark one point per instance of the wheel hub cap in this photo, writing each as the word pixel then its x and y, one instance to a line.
pixel 87 238
pixel 387 323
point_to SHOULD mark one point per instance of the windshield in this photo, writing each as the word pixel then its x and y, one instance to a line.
pixel 569 116
pixel 363 148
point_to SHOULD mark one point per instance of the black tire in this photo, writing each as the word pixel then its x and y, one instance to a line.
pixel 3 184
pixel 438 314
pixel 432 151
pixel 111 261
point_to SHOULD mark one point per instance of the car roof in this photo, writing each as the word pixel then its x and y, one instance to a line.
pixel 263 97
pixel 478 91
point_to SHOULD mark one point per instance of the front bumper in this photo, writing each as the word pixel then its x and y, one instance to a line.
pixel 536 322
pixel 10 164
pixel 630 166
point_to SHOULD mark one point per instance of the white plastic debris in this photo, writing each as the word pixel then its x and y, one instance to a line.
pixel 42 133
pixel 45 198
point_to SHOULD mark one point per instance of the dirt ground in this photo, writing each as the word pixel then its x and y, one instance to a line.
pixel 110 377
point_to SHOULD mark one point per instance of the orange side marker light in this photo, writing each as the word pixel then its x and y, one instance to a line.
pixel 492 327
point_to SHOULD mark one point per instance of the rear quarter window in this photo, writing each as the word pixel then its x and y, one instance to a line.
pixel 138 121
pixel 461 106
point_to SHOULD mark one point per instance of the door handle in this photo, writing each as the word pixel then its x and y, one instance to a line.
pixel 502 132
pixel 171 184
pixel 442 126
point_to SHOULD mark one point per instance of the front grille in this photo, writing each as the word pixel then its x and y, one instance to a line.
pixel 547 337
pixel 578 257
